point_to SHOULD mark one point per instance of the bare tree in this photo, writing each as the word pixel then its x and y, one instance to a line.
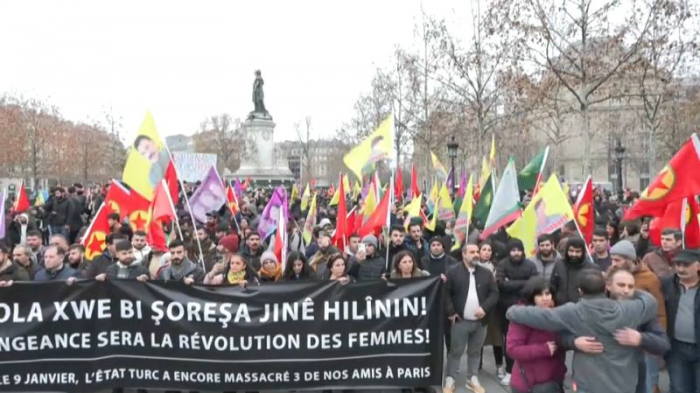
pixel 578 42
pixel 307 144
pixel 224 137
pixel 114 125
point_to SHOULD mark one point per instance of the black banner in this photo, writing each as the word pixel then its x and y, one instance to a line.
pixel 97 335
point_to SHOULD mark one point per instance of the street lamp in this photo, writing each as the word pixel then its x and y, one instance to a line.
pixel 619 155
pixel 452 153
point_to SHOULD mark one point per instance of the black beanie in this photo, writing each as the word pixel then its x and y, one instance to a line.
pixel 515 243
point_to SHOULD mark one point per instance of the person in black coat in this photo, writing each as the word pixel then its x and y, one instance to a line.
pixel 57 210
pixel 512 273
pixel 297 268
pixel 437 262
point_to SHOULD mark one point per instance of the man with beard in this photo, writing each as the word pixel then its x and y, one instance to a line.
pixel 616 368
pixel 415 241
pixel 180 267
pixel 512 274
pixel 353 245
pixel 567 271
pixel 125 268
pixel 682 304
pixel 319 261
pixel 661 261
pixel 22 256
pixel 396 245
pixel 208 248
pixel 437 262
pixel 649 337
pixel 10 271
pixel 546 256
pixel 76 258
pixel 57 210
pixel 252 250
pixel 100 264
pixel 601 244
pixel 141 247
pixel 34 242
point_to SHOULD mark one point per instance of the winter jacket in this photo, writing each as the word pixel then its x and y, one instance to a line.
pixel 672 294
pixel 528 347
pixel 372 268
pixel 57 210
pixel 99 265
pixel 13 272
pixel 645 279
pixel 511 277
pixel 32 269
pixel 416 273
pixel 134 271
pixel 615 370
pixel 64 273
pixel 253 258
pixel 190 269
pixel 393 250
pixel 544 269
pixel 74 218
pixel 457 290
pixel 659 263
pixel 437 266
pixel 411 246
pixel 565 276
pixel 319 262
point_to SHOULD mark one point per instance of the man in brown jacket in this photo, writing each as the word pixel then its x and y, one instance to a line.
pixel 660 261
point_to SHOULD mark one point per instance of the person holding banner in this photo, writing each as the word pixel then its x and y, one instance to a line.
pixel 338 268
pixel 181 268
pixel 236 272
pixel 297 268
pixel 406 266
pixel 270 270
pixel 125 268
pixel 54 267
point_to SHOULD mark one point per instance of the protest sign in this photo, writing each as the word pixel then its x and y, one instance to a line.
pixel 193 167
pixel 96 335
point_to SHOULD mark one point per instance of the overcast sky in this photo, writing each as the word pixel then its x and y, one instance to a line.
pixel 185 61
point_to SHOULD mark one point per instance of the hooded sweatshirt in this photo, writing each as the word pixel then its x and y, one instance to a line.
pixel 566 273
pixel 615 370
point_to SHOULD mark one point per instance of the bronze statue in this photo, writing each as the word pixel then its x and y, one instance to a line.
pixel 259 99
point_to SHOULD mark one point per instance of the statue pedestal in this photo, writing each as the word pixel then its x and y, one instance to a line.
pixel 259 162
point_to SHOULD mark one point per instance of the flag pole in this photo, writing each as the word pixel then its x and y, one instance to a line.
pixel 187 202
pixel 388 217
pixel 172 205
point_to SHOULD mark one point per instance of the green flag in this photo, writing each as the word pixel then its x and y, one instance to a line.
pixel 483 205
pixel 529 176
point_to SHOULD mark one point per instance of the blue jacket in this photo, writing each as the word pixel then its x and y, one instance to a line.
pixel 63 273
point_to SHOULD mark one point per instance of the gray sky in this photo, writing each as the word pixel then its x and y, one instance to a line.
pixel 185 61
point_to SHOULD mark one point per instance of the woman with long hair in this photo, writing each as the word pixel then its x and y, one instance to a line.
pixel 338 269
pixel 539 362
pixel 270 269
pixel 235 272
pixel 613 232
pixel 406 266
pixel 494 336
pixel 297 268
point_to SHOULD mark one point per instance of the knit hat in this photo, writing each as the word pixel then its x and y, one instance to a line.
pixel 625 249
pixel 515 244
pixel 436 239
pixel 370 239
pixel 687 257
pixel 268 255
pixel 230 242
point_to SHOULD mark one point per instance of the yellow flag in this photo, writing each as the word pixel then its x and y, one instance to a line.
pixel 147 161
pixel 433 197
pixel 335 198
pixel 295 192
pixel 548 211
pixel 310 221
pixel 378 146
pixel 305 197
pixel 461 229
pixel 370 204
pixel 432 223
pixel 440 171
pixel 492 155
pixel 356 190
pixel 412 210
pixel 39 200
pixel 346 184
pixel 445 210
pixel 485 172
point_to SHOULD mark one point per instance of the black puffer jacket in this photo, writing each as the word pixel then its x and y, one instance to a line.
pixel 566 274
pixel 372 268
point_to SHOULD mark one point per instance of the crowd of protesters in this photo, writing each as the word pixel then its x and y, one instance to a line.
pixel 623 307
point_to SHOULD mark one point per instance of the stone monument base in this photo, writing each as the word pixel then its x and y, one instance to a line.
pixel 260 164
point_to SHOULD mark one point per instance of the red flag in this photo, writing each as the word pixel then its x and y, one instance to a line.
pixel 378 219
pixel 352 222
pixel 281 240
pixel 172 182
pixel 583 211
pixel 95 236
pixel 398 186
pixel 117 198
pixel 138 210
pixel 340 237
pixel 681 215
pixel 232 199
pixel 161 211
pixel 22 202
pixel 415 188
pixel 677 180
